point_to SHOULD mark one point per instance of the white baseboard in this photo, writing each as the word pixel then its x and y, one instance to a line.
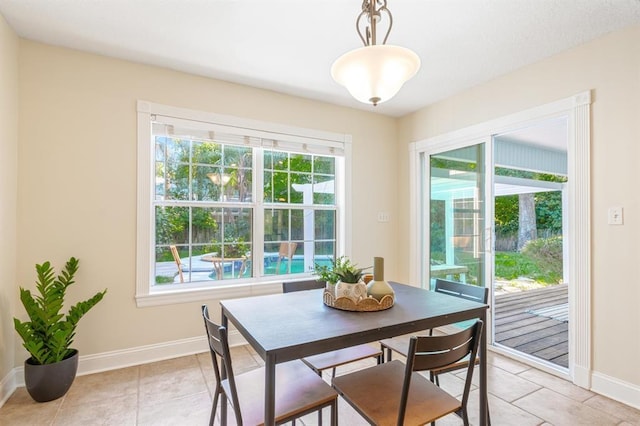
pixel 613 388
pixel 7 387
pixel 95 363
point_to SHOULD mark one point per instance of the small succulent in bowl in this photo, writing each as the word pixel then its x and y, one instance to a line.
pixel 346 271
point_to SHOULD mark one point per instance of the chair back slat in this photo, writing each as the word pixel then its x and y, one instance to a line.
pixel 291 286
pixel 445 342
pixel 464 291
pixel 437 351
pixel 441 359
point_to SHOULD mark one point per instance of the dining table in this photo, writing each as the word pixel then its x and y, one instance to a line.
pixel 289 326
pixel 219 262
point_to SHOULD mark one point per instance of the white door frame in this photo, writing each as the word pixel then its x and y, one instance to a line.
pixel 577 111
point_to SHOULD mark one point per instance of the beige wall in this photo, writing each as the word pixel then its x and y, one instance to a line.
pixel 610 67
pixel 8 192
pixel 78 178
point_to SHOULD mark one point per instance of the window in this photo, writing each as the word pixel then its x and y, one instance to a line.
pixel 225 204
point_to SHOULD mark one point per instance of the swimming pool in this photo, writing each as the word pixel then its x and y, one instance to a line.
pixel 231 269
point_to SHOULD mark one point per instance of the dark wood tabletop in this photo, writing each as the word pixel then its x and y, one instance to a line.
pixel 284 327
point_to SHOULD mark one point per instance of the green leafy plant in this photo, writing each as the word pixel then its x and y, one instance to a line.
pixel 325 272
pixel 346 271
pixel 49 333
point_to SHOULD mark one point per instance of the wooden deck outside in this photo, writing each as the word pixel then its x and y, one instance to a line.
pixel 534 322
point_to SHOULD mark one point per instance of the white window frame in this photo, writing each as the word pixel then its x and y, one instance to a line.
pixel 314 141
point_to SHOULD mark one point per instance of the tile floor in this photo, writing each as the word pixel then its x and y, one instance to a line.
pixel 178 392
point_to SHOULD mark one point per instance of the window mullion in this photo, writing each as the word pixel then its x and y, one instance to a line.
pixel 258 212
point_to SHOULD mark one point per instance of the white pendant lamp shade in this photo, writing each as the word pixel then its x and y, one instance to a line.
pixel 374 74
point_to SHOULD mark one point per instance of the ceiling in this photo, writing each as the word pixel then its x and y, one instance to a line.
pixel 551 133
pixel 289 45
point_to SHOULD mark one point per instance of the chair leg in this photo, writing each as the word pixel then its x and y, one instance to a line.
pixel 223 410
pixel 214 408
pixel 334 413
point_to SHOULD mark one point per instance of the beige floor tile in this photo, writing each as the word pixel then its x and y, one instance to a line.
pixel 505 385
pixel 243 360
pixel 119 411
pixel 255 356
pixel 169 366
pixel 348 416
pixel 168 388
pixel 557 384
pixel 452 383
pixel 101 386
pixel 506 363
pixel 629 414
pixel 21 410
pixel 171 379
pixel 562 411
pixel 190 410
pixel 174 392
pixel 501 412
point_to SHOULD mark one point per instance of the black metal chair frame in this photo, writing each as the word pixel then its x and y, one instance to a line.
pixel 456 289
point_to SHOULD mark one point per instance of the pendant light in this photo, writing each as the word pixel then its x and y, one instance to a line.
pixel 376 72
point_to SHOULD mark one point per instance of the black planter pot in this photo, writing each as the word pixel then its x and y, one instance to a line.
pixel 50 381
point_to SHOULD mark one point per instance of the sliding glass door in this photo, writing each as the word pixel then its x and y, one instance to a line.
pixel 474 192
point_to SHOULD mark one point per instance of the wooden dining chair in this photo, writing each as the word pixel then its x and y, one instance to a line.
pixel 333 359
pixel 394 393
pixel 298 390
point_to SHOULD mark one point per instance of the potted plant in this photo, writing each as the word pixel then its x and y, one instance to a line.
pixel 349 282
pixel 48 334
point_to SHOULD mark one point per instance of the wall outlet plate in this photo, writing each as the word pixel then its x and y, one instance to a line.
pixel 615 215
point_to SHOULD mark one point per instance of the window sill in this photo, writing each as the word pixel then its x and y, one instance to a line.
pixel 200 294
